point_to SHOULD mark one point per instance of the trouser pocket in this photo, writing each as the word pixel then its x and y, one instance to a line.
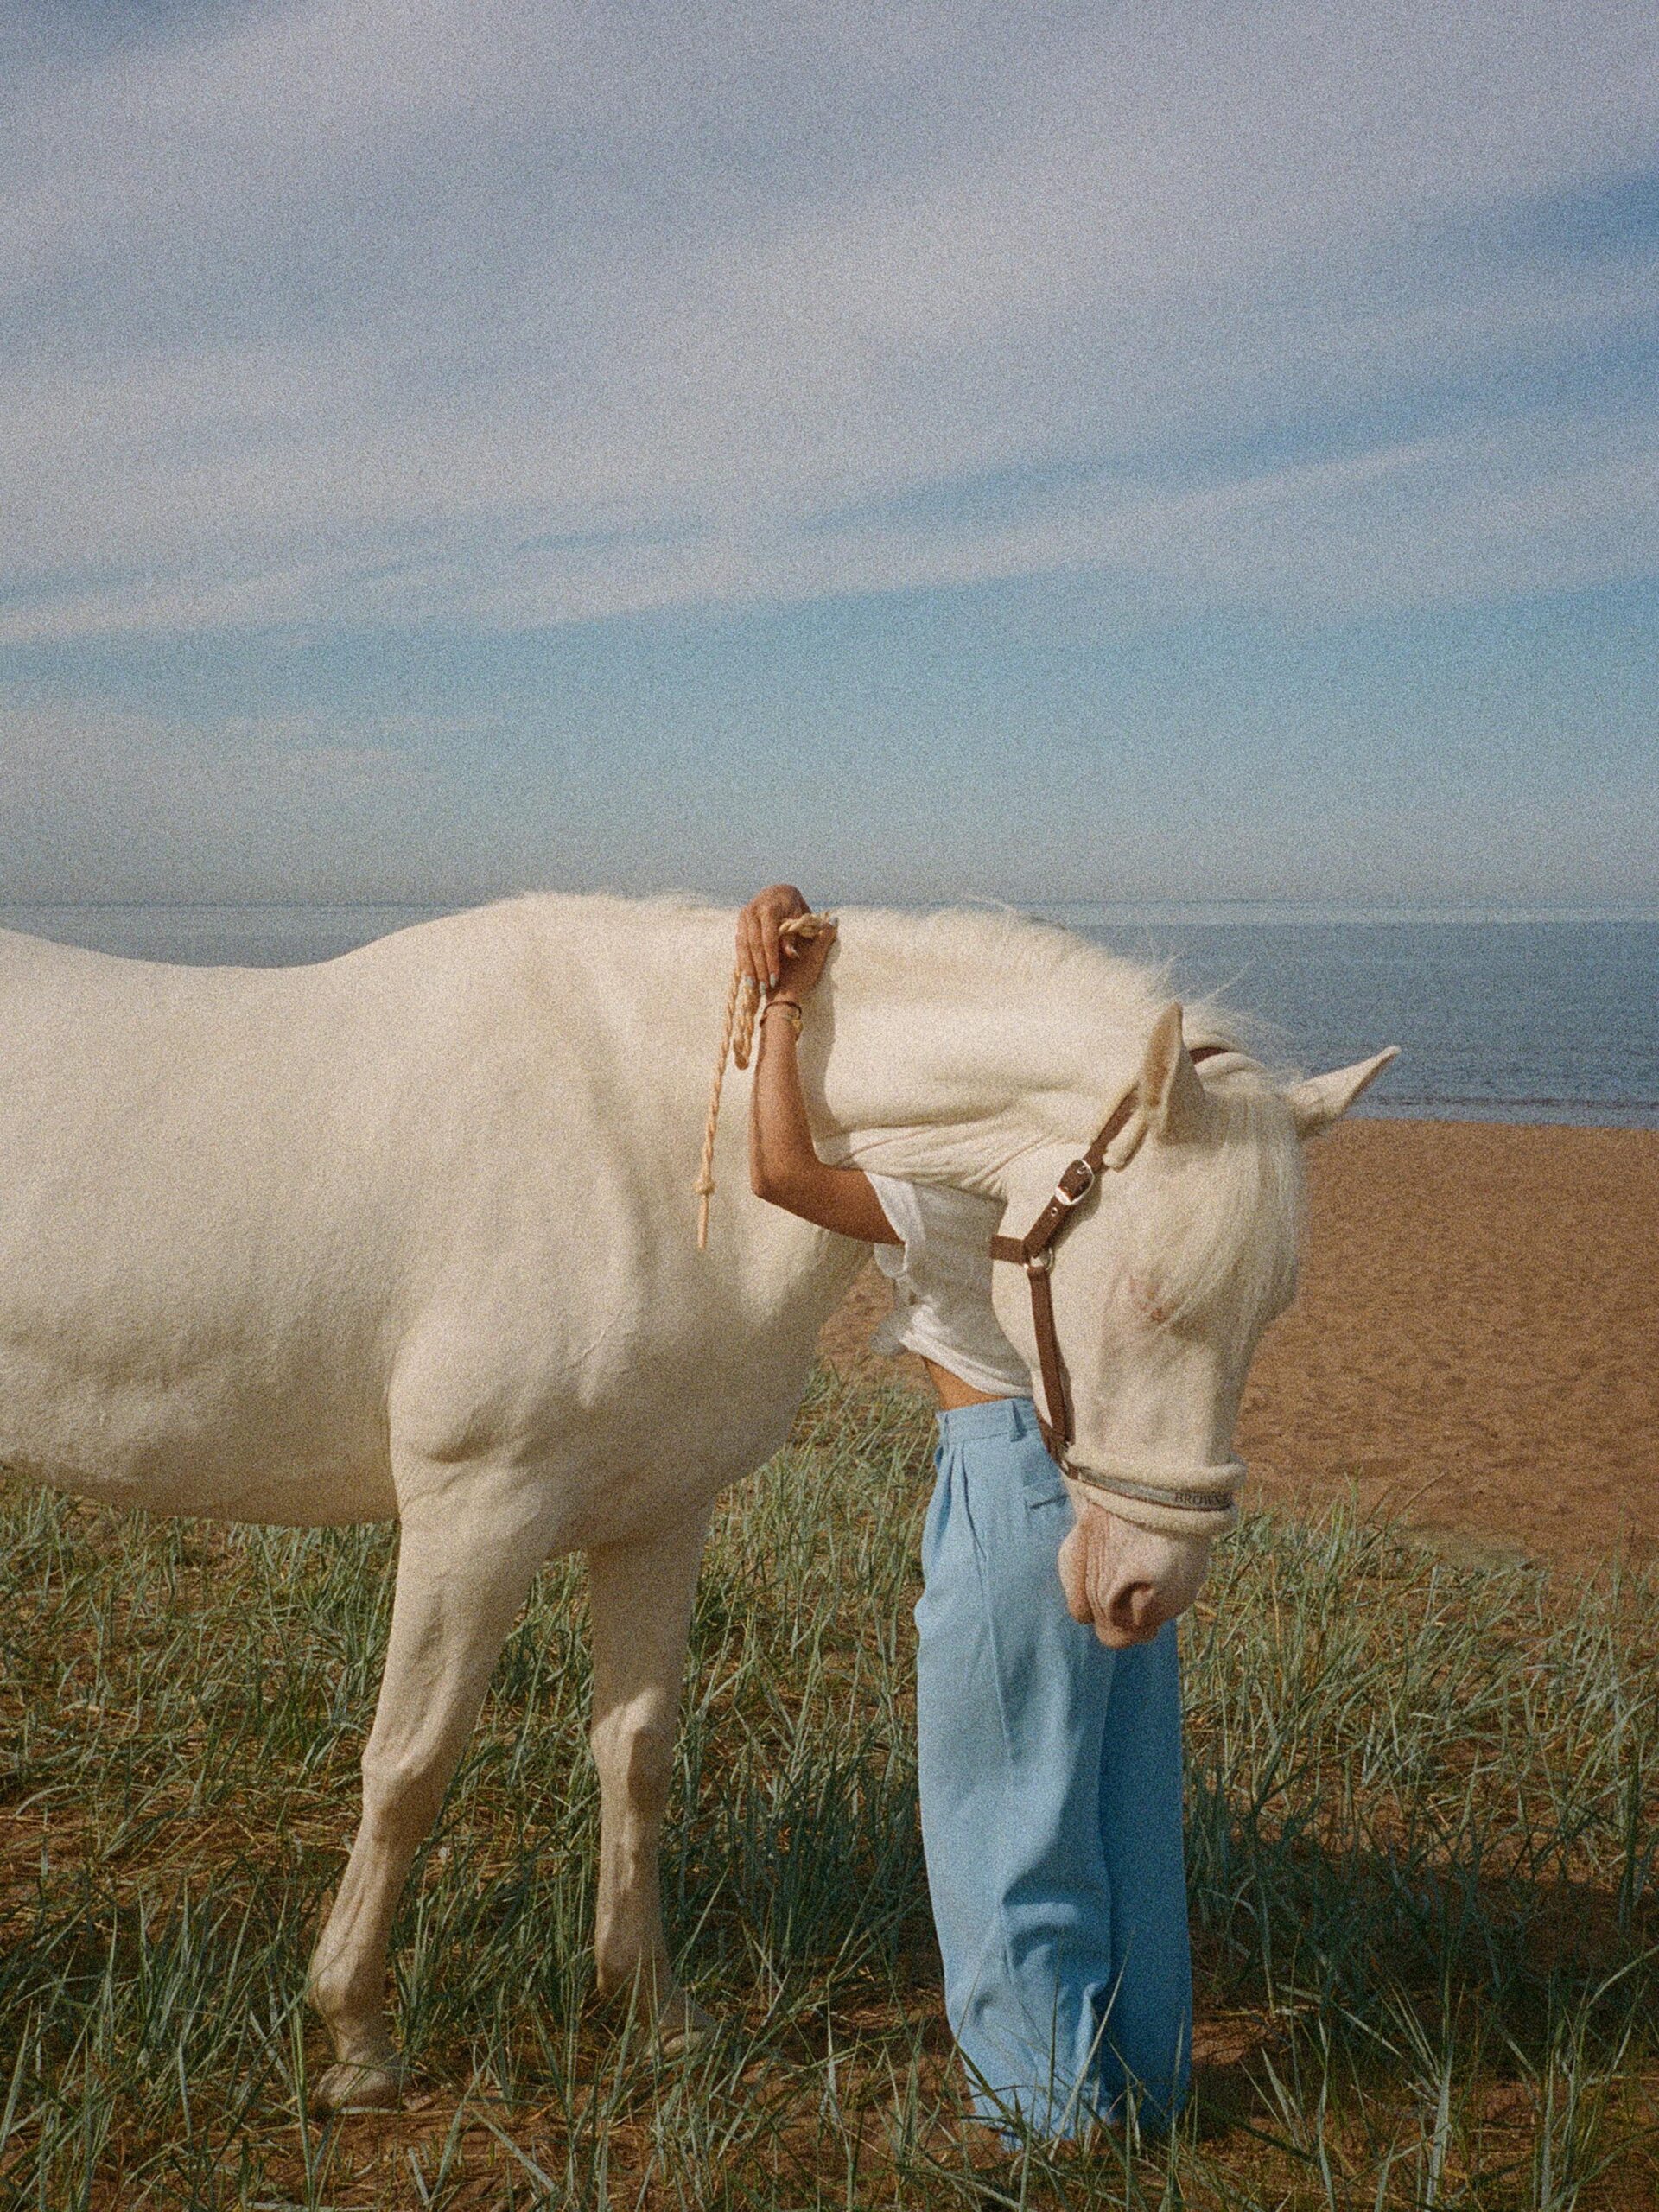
pixel 1041 1484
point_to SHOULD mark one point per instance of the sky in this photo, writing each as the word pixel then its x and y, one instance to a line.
pixel 1179 451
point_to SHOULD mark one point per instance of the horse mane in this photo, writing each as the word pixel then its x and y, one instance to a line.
pixel 1116 989
pixel 1216 1219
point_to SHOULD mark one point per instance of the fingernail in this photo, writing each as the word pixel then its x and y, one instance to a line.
pixel 772 983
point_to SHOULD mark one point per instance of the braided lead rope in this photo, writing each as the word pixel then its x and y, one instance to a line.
pixel 736 1038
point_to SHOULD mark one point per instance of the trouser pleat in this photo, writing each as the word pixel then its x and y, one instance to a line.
pixel 1050 1794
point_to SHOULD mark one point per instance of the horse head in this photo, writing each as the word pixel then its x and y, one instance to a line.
pixel 1181 1252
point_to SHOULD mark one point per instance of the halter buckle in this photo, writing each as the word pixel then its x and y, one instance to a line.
pixel 1039 1263
pixel 1075 1185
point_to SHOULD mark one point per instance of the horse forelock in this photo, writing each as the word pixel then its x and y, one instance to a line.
pixel 1212 1226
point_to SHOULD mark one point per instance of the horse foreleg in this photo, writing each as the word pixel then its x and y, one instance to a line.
pixel 464 1565
pixel 641 1594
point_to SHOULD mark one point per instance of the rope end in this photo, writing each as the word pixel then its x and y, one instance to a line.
pixel 737 1038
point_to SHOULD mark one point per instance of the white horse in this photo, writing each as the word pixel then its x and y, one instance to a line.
pixel 409 1233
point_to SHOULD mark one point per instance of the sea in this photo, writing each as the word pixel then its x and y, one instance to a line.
pixel 1501 1013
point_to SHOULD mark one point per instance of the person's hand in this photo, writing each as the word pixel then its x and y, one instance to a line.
pixel 803 959
pixel 759 949
pixel 764 956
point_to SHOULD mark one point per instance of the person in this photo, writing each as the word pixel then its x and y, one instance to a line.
pixel 1049 1756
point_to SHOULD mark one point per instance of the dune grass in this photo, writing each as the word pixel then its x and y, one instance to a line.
pixel 1422 1838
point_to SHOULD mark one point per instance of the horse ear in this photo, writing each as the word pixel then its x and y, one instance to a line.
pixel 1324 1099
pixel 1172 1098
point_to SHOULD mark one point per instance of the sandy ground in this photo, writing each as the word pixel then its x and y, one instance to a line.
pixel 1475 1350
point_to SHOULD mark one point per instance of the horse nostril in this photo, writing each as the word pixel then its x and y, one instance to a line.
pixel 1135 1608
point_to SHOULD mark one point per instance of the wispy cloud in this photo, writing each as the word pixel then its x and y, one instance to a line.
pixel 511 314
pixel 483 441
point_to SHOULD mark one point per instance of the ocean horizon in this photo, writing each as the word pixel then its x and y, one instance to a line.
pixel 1530 1013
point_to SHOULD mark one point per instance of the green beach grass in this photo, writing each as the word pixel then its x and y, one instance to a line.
pixel 1422 1836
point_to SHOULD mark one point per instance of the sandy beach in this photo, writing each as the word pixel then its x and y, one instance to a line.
pixel 1475 1349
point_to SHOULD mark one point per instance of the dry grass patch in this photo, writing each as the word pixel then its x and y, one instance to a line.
pixel 1422 1836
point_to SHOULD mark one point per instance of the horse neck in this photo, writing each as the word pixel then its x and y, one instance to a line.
pixel 944 1059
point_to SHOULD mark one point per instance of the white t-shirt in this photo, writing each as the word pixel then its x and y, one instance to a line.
pixel 941 1281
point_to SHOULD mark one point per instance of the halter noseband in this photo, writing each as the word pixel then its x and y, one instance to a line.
pixel 1034 1252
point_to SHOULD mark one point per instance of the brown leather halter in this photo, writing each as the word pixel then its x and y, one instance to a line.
pixel 1034 1252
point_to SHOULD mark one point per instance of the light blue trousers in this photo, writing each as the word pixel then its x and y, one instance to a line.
pixel 1051 1789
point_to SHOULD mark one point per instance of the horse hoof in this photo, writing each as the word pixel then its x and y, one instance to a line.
pixel 683 2028
pixel 352 2087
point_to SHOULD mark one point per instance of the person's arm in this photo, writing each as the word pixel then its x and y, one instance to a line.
pixel 783 1167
